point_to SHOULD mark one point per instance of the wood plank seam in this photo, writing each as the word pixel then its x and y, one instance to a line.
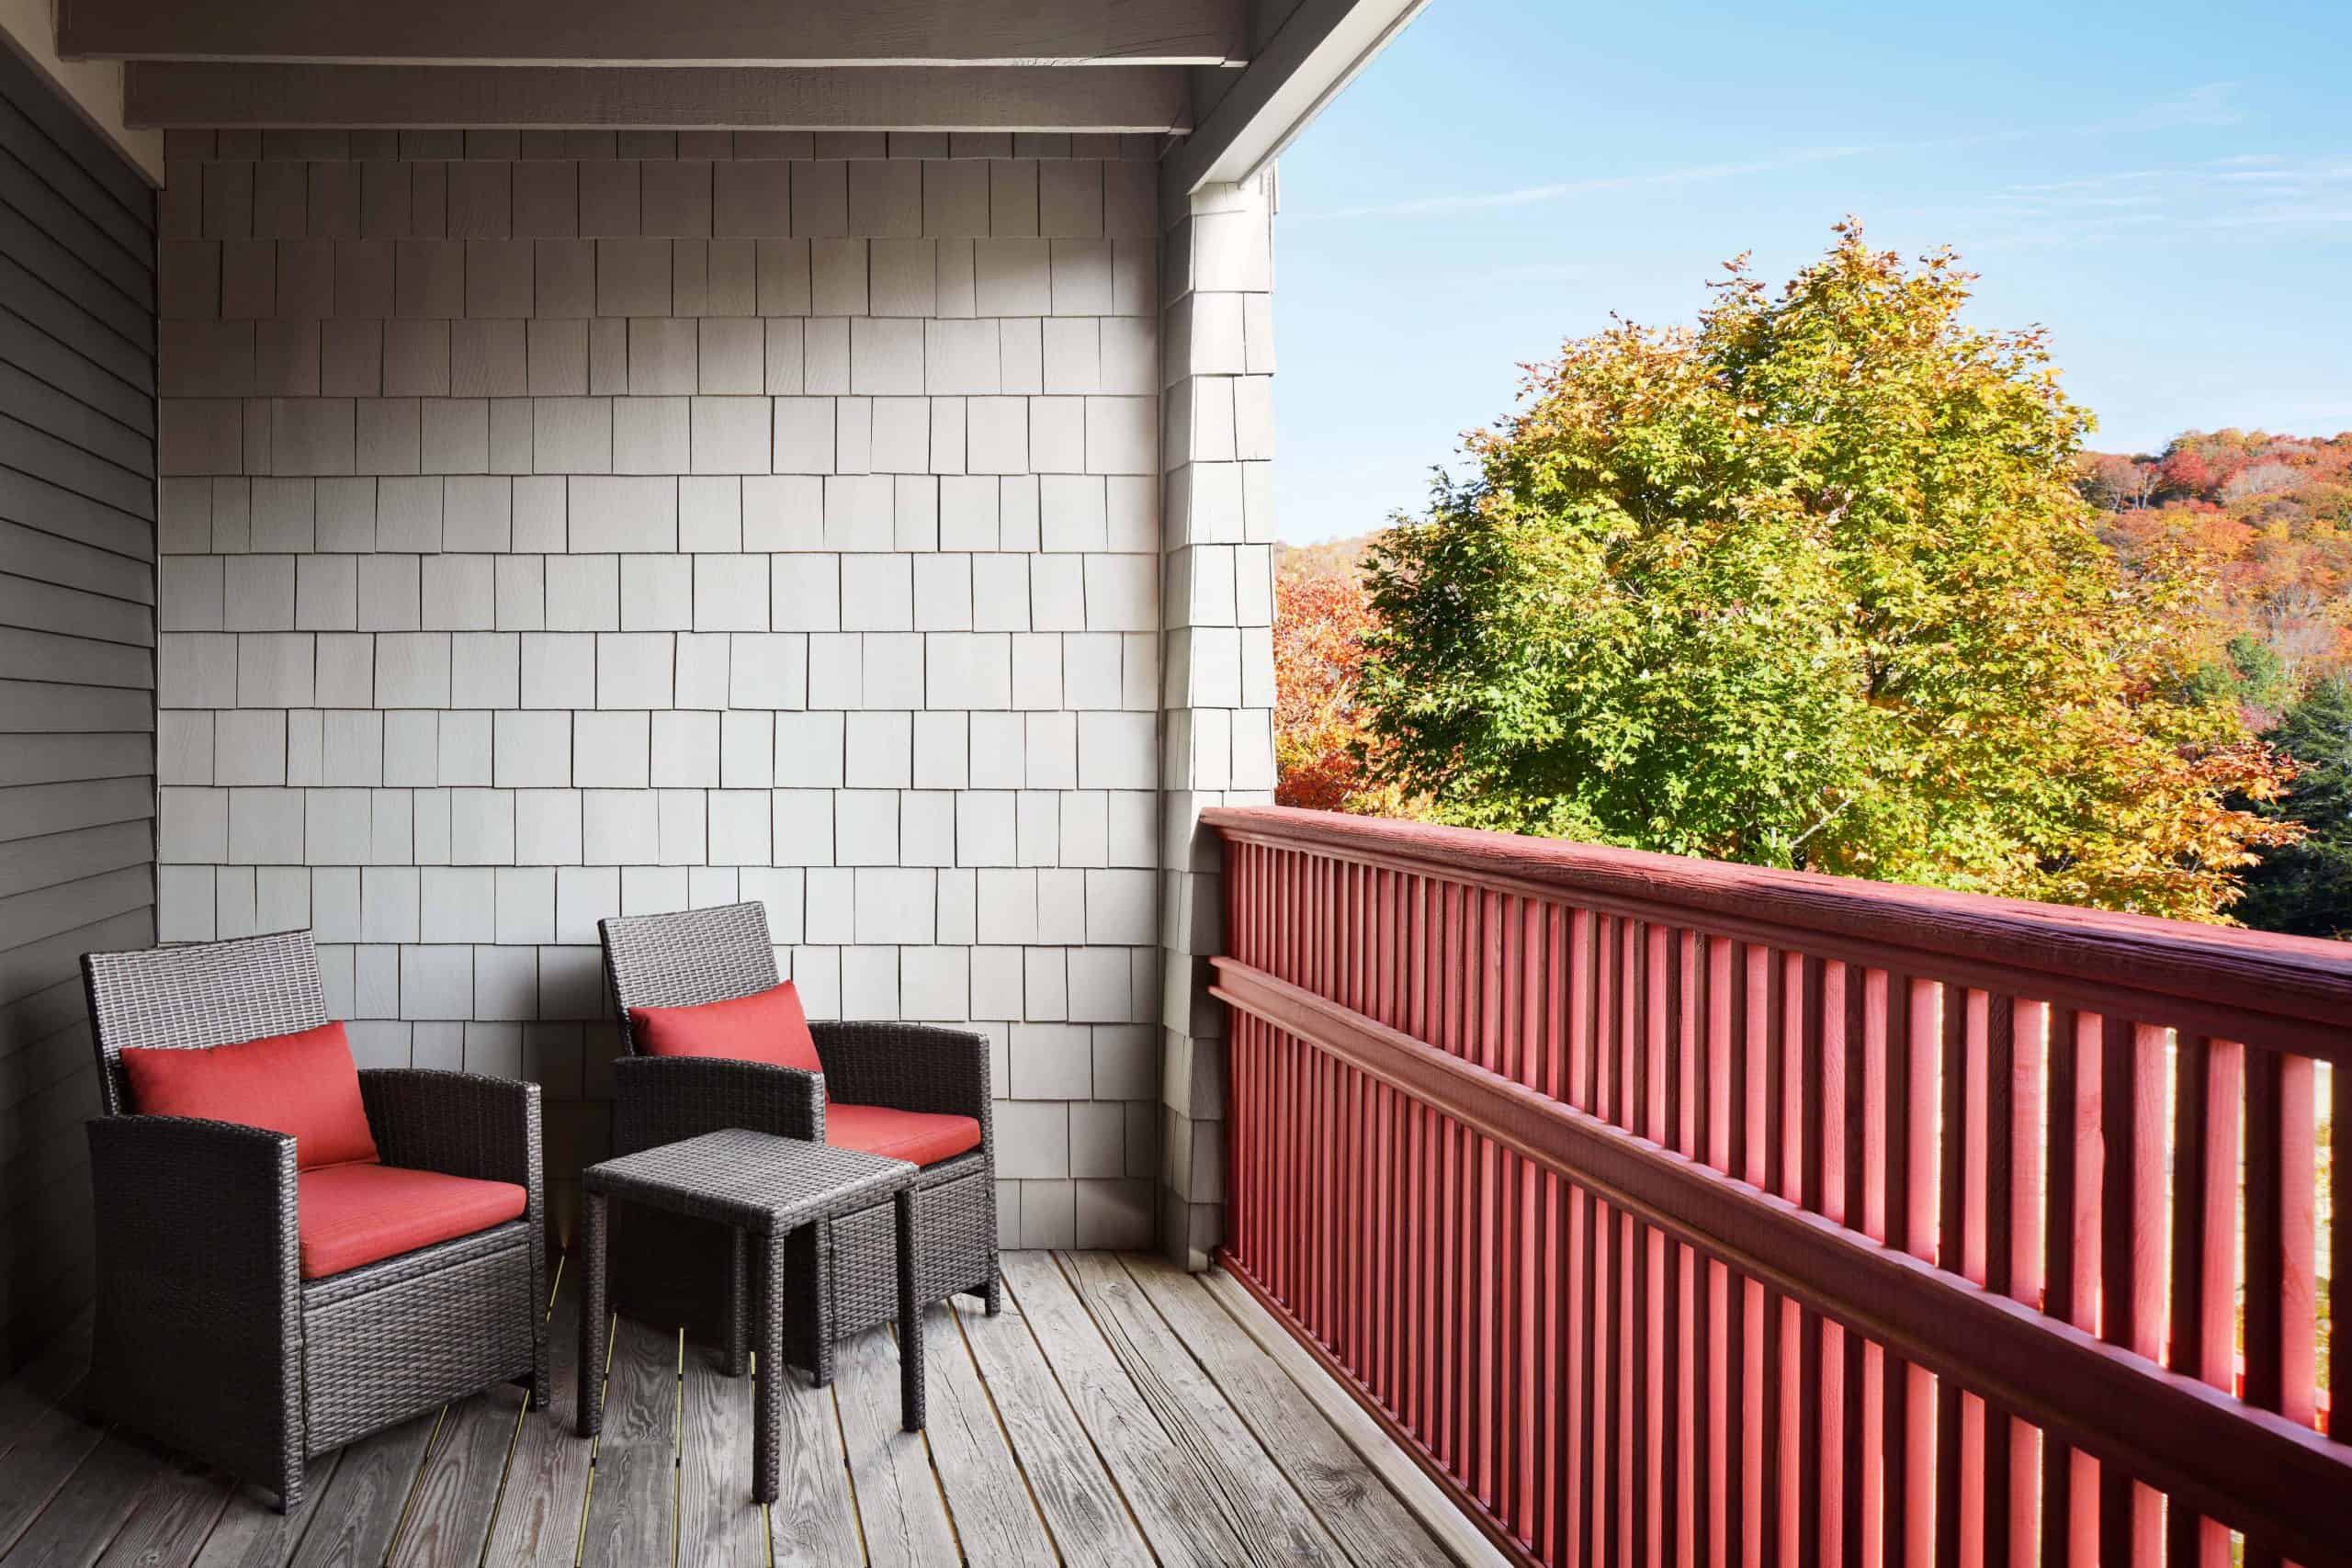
pixel 1094 1444
pixel 1253 1508
pixel 1004 1430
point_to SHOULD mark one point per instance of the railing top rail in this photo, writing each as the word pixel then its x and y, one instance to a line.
pixel 2216 968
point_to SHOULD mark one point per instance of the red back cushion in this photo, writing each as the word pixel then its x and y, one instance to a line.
pixel 766 1026
pixel 305 1084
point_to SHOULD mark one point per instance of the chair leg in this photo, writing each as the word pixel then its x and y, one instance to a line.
pixel 542 1393
pixel 589 1412
pixel 289 1489
pixel 992 1294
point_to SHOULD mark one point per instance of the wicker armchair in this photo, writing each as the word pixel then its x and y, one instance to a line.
pixel 206 1336
pixel 843 1274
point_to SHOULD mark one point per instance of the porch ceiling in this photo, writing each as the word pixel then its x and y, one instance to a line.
pixel 675 32
pixel 1237 77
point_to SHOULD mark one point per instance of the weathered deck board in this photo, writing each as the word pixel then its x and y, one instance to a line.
pixel 1365 1518
pixel 1268 1517
pixel 181 1508
pixel 718 1524
pixel 1405 1480
pixel 995 1518
pixel 1111 1402
pixel 1089 1519
pixel 253 1534
pixel 814 1519
pixel 632 1488
pixel 27 1398
pixel 85 1516
pixel 897 1501
pixel 1169 1498
pixel 538 1524
pixel 448 1517
pixel 360 1510
pixel 43 1460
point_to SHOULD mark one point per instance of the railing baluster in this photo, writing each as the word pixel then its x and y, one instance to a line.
pixel 2205 1099
pixel 1895 1176
pixel 2130 1253
pixel 1607 1447
pixel 2339 1343
pixel 1851 1074
pixel 2281 1189
pixel 1603 1382
pixel 1578 1530
pixel 1996 1207
pixel 1951 1198
pixel 1743 1158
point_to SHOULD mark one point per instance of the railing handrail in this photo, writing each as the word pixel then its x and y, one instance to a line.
pixel 2256 987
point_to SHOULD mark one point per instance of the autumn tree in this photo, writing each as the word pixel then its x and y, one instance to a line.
pixel 1810 585
pixel 1322 621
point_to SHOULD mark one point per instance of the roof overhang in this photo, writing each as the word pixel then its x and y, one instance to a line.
pixel 1236 79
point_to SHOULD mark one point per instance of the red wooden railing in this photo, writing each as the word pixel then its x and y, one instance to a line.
pixel 1672 1211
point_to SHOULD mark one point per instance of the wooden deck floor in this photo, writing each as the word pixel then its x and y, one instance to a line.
pixel 1119 1412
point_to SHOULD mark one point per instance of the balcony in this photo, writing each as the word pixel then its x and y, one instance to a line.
pixel 1651 1211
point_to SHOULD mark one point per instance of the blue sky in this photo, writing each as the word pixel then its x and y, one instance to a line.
pixel 2168 188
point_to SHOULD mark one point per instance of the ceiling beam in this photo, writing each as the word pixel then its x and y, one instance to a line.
pixel 1110 99
pixel 1313 55
pixel 659 32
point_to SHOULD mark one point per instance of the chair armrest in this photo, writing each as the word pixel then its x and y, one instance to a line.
pixel 457 1124
pixel 199 1286
pixel 907 1066
pixel 660 1099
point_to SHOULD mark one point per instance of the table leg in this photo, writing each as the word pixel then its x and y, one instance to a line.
pixel 738 1286
pixel 911 1412
pixel 767 1408
pixel 589 1415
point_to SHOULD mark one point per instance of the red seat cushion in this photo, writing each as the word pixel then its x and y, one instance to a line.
pixel 766 1026
pixel 351 1214
pixel 923 1136
pixel 305 1084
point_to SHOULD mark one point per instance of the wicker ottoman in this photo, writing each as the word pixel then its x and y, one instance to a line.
pixel 763 1187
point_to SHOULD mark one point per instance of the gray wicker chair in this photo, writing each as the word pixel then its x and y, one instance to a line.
pixel 843 1274
pixel 206 1336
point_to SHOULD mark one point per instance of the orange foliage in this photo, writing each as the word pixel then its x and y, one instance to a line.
pixel 2264 520
pixel 1320 621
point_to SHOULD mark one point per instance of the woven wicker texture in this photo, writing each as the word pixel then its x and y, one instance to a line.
pixel 841 1274
pixel 686 958
pixel 754 1180
pixel 206 1336
pixel 212 993
pixel 763 1187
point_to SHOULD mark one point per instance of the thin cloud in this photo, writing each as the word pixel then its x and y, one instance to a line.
pixel 2207 105
pixel 1528 196
pixel 2203 106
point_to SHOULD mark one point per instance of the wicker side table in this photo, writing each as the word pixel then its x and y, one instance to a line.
pixel 764 1188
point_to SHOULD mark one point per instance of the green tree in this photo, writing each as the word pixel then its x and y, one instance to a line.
pixel 2306 888
pixel 2245 671
pixel 1810 585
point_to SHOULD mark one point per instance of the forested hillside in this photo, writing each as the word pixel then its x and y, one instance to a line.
pixel 2264 522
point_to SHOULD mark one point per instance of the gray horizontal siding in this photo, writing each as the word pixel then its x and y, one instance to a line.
pixel 77 666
